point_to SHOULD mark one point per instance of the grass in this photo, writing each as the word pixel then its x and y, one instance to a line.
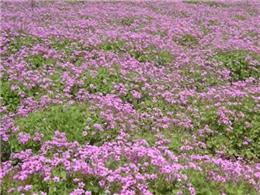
pixel 68 47
pixel 239 65
pixel 231 142
pixel 38 61
pixel 195 78
pixel 22 41
pixel 215 4
pixel 127 21
pixel 70 119
pixel 114 46
pixel 102 82
pixel 188 40
pixel 10 98
pixel 202 186
pixel 151 54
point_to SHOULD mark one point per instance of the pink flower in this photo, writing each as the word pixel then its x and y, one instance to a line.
pixel 28 187
pixel 24 137
pixel 98 127
pixel 56 179
pixel 136 94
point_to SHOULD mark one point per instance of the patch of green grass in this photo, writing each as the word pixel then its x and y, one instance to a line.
pixel 38 60
pixel 204 186
pixel 70 119
pixel 175 136
pixel 208 3
pixel 163 57
pixel 127 21
pixel 65 186
pixel 251 34
pixel 236 61
pixel 162 186
pixel 68 47
pixel 231 142
pixel 215 4
pixel 152 54
pixel 36 92
pixel 61 45
pixel 147 105
pixel 10 98
pixel 194 78
pixel 115 46
pixel 188 40
pixel 240 17
pixel 161 33
pixel 102 82
pixel 5 150
pixel 201 184
pixel 56 78
pixel 22 41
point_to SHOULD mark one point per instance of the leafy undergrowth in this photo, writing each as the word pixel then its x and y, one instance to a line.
pixel 10 98
pixel 148 54
pixel 127 98
pixel 242 64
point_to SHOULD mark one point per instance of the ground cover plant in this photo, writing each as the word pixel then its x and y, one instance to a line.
pixel 130 97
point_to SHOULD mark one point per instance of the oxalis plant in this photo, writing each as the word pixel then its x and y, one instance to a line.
pixel 129 98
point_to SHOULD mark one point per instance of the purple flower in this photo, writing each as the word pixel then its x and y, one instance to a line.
pixel 24 137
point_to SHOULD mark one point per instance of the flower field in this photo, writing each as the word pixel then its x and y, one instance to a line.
pixel 131 97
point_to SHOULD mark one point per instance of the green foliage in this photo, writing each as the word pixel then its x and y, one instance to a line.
pixel 56 78
pixel 38 60
pixel 70 119
pixel 10 98
pixel 22 41
pixel 163 57
pixel 5 150
pixel 240 17
pixel 231 142
pixel 194 78
pixel 162 186
pixel 236 61
pixel 204 186
pixel 36 92
pixel 152 54
pixel 161 33
pixel 192 2
pixel 176 139
pixel 208 3
pixel 102 82
pixel 215 4
pixel 92 184
pixel 68 47
pixel 188 40
pixel 115 46
pixel 63 45
pixel 127 21
pixel 64 186
pixel 201 184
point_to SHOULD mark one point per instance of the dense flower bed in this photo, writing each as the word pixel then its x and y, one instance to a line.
pixel 130 97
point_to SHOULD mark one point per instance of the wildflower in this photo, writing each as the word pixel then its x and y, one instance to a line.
pixel 24 137
pixel 136 94
pixel 98 127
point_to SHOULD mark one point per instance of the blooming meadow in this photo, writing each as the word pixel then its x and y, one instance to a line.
pixel 130 97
